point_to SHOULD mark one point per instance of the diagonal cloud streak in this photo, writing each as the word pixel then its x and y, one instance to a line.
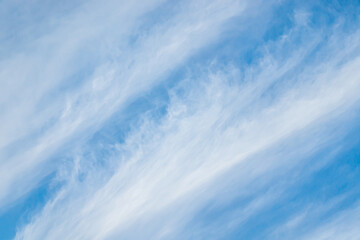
pixel 212 124
pixel 209 119
pixel 113 84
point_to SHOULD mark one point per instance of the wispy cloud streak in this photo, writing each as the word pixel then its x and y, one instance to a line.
pixel 234 134
pixel 113 83
pixel 213 124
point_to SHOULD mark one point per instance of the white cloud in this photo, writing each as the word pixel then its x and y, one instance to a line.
pixel 345 225
pixel 218 123
pixel 44 123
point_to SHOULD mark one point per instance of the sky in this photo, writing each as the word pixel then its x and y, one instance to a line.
pixel 164 119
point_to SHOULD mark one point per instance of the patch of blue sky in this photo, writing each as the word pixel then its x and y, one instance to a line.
pixel 297 199
pixel 22 210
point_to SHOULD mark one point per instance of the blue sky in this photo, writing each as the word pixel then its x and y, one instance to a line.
pixel 209 119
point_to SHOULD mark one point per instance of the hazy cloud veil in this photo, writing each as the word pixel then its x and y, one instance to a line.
pixel 208 119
